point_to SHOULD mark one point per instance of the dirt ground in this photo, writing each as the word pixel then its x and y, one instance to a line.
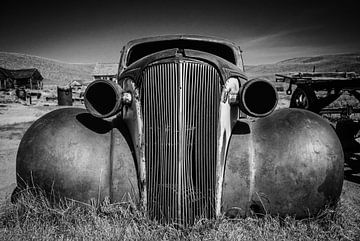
pixel 16 118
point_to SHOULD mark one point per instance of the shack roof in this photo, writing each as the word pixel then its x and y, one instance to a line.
pixel 5 74
pixel 26 74
pixel 76 82
pixel 106 69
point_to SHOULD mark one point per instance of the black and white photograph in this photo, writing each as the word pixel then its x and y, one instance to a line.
pixel 180 120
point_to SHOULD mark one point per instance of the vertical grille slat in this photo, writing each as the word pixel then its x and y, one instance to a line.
pixel 180 109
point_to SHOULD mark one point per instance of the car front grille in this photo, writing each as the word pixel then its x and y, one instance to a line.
pixel 180 108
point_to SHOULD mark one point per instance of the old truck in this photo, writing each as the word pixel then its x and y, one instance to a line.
pixel 186 135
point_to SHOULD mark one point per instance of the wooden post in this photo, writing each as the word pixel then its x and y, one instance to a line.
pixel 30 83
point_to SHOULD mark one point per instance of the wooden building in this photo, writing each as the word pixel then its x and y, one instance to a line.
pixel 107 71
pixel 20 78
pixel 6 79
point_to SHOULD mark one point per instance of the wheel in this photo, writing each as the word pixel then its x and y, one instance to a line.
pixel 347 132
pixel 304 97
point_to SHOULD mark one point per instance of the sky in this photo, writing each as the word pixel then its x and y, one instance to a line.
pixel 94 31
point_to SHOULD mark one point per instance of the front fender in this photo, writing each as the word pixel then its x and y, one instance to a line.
pixel 70 153
pixel 289 163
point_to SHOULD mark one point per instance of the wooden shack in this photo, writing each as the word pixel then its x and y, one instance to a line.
pixel 27 78
pixel 107 71
pixel 20 78
pixel 6 81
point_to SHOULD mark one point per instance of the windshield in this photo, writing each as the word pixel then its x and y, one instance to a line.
pixel 143 49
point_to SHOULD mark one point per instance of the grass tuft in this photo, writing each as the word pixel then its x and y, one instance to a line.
pixel 33 217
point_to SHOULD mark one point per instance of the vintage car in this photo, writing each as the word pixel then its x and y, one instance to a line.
pixel 184 134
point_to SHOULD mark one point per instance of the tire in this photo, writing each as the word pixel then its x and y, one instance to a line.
pixel 304 97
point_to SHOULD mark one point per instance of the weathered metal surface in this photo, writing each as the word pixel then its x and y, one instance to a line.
pixel 133 119
pixel 249 100
pixel 103 98
pixel 167 39
pixel 148 118
pixel 70 153
pixel 180 124
pixel 226 69
pixel 228 114
pixel 178 139
pixel 290 162
pixel 134 75
pixel 64 95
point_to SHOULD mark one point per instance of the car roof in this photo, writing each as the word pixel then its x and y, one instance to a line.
pixel 236 50
pixel 134 42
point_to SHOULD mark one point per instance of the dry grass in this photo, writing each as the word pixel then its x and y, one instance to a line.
pixel 34 218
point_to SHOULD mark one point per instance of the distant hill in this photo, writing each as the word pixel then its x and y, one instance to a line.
pixel 324 63
pixel 60 73
pixel 53 71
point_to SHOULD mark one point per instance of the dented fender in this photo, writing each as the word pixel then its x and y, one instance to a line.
pixel 70 153
pixel 289 163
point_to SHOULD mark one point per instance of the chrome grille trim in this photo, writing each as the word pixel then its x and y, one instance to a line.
pixel 180 108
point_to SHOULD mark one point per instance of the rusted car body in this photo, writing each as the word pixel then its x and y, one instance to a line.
pixel 187 135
